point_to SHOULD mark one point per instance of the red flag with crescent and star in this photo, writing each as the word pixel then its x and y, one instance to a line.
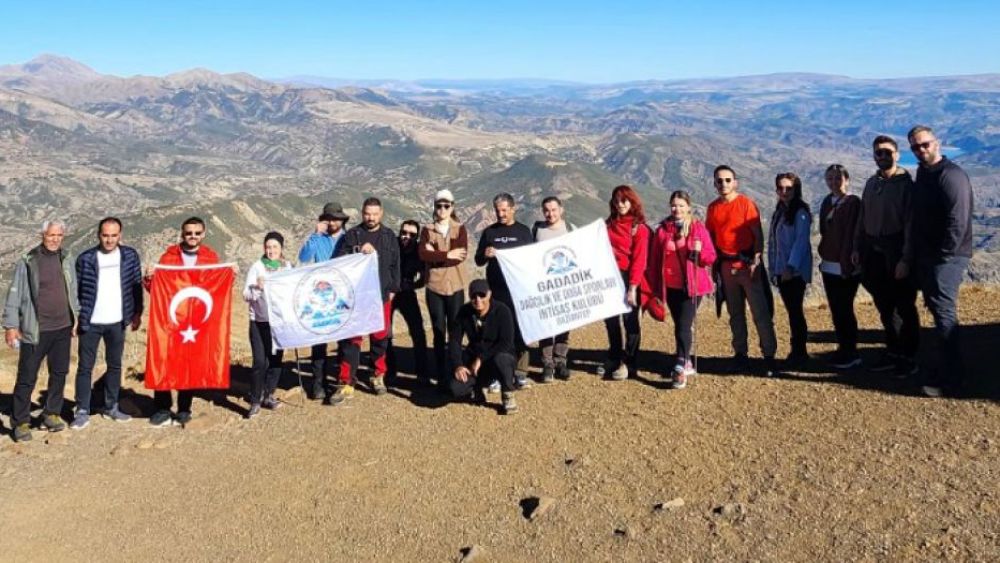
pixel 189 326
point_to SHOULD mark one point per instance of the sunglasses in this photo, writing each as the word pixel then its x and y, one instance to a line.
pixel 442 206
pixel 785 188
pixel 478 295
pixel 925 145
pixel 883 153
pixel 407 234
pixel 193 233
pixel 720 181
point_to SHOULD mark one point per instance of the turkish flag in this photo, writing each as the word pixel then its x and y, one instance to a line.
pixel 189 324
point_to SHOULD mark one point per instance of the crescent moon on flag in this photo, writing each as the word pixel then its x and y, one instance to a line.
pixel 190 292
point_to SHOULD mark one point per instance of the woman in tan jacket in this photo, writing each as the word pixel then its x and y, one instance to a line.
pixel 443 247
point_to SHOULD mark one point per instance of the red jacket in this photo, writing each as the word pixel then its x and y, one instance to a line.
pixel 631 249
pixel 172 256
pixel 666 259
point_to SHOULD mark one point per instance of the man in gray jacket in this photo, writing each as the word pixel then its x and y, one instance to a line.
pixel 39 318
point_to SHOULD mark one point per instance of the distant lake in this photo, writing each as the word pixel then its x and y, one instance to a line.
pixel 906 157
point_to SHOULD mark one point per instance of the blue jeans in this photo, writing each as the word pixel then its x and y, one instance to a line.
pixel 114 342
pixel 939 283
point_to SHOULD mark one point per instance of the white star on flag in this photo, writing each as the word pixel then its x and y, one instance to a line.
pixel 188 334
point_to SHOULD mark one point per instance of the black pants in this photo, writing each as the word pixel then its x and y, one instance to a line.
pixel 793 293
pixel 502 294
pixel 114 344
pixel 499 367
pixel 939 284
pixel 405 302
pixel 683 309
pixel 627 351
pixel 164 401
pixel 443 310
pixel 840 293
pixel 53 347
pixel 896 301
pixel 266 370
pixel 322 366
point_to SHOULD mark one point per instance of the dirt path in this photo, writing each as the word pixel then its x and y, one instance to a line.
pixel 814 466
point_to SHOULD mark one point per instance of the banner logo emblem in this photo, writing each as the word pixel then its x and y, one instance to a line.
pixel 559 261
pixel 324 301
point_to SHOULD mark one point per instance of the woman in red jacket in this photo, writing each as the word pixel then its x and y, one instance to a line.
pixel 680 265
pixel 629 236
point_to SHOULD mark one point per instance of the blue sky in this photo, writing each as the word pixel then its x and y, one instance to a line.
pixel 582 41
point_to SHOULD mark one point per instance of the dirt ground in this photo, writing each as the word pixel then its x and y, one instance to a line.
pixel 813 466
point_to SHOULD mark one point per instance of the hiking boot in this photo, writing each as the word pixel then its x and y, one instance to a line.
pixel 53 423
pixel 845 361
pixel 509 403
pixel 493 388
pixel 22 432
pixel 343 393
pixel 115 414
pixel 378 385
pixel 318 393
pixel 796 360
pixel 270 403
pixel 521 382
pixel 161 418
pixel 548 374
pixel 620 373
pixel 254 411
pixel 680 380
pixel 886 361
pixel 741 364
pixel 183 417
pixel 80 421
pixel 562 372
pixel 771 368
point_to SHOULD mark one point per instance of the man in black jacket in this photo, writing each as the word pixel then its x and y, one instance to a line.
pixel 882 250
pixel 507 232
pixel 109 285
pixel 488 325
pixel 942 246
pixel 370 236
pixel 412 278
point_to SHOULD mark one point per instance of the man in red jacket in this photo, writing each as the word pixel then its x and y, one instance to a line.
pixel 188 252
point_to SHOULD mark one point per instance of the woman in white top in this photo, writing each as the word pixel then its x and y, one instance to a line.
pixel 266 369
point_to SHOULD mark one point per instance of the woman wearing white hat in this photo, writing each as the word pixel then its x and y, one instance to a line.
pixel 443 247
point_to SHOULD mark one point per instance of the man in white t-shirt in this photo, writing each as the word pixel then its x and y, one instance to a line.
pixel 109 289
pixel 555 349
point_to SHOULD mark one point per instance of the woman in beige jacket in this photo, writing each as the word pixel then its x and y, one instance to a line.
pixel 443 247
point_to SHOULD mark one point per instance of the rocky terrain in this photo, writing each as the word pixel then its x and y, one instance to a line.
pixel 78 144
pixel 812 466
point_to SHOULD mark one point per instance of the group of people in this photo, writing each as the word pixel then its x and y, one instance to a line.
pixel 902 234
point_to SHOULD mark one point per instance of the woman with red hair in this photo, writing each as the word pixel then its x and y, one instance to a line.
pixel 629 236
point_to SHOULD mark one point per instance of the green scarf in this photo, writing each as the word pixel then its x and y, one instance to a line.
pixel 270 265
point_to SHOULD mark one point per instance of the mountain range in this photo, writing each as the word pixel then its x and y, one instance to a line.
pixel 251 155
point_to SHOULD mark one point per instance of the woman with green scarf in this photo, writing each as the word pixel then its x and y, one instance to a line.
pixel 266 369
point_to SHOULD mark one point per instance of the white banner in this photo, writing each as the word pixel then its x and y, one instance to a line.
pixel 564 283
pixel 325 302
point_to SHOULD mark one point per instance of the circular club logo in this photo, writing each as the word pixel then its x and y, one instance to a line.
pixel 558 261
pixel 324 301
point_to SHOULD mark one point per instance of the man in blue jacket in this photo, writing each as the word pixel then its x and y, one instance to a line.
pixel 109 288
pixel 319 247
pixel 941 233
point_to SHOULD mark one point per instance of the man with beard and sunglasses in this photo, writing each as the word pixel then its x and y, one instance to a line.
pixel 941 248
pixel 882 247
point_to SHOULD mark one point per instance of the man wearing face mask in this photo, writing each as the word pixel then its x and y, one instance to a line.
pixel 882 243
pixel 320 247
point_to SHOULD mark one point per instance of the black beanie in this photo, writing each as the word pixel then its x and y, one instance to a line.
pixel 275 235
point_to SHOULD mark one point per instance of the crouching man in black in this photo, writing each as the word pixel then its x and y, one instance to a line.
pixel 488 327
